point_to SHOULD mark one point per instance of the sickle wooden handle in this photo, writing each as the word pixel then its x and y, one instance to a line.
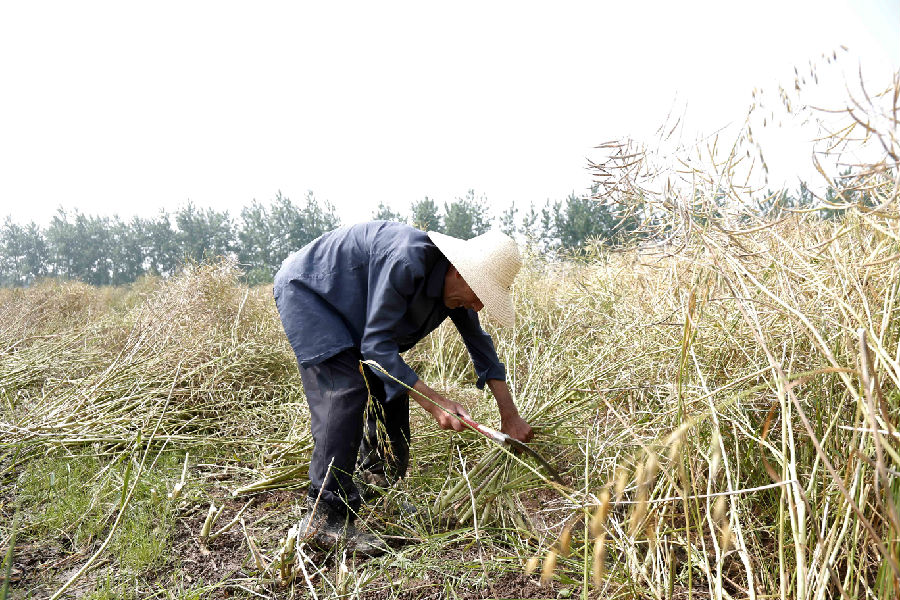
pixel 484 430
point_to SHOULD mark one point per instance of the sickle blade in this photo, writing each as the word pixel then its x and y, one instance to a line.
pixel 523 447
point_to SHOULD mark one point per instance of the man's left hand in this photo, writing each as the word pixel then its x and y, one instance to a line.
pixel 517 428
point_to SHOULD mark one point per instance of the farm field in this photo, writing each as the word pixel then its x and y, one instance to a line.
pixel 686 396
pixel 723 405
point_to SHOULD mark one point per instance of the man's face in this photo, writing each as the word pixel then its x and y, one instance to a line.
pixel 457 292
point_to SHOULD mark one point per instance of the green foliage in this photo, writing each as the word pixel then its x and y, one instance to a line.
pixel 464 218
pixel 204 233
pixel 6 565
pixel 385 213
pixel 97 250
pixel 292 226
pixel 848 190
pixel 315 219
pixel 776 205
pixel 537 226
pixel 508 220
pixel 109 251
pixel 268 235
pixel 144 538
pixel 159 242
pixel 75 499
pixel 126 250
pixel 23 253
pixel 530 225
pixel 63 500
pixel 110 588
pixel 424 215
pixel 77 245
pixel 257 242
pixel 582 218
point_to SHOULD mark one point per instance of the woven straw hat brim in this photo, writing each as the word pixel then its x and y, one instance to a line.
pixel 489 279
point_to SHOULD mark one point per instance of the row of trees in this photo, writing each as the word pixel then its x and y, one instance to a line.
pixel 109 251
pixel 104 250
pixel 558 225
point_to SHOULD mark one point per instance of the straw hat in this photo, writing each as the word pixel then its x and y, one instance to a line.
pixel 489 264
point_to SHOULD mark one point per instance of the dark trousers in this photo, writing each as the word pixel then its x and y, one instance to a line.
pixel 350 430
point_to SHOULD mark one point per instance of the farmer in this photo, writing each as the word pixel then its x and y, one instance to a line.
pixel 369 292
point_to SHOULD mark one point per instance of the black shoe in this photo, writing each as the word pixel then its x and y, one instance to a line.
pixel 325 528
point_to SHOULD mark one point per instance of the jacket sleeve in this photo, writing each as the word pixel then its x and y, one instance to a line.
pixel 392 281
pixel 480 346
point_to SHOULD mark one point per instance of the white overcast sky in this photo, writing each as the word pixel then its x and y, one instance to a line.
pixel 125 107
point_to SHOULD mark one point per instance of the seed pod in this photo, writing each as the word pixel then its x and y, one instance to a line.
pixel 650 532
pixel 675 451
pixel 599 567
pixel 725 538
pixel 548 568
pixel 719 509
pixel 531 565
pixel 716 459
pixel 598 520
pixel 651 468
pixel 621 482
pixel 678 434
pixel 639 477
pixel 638 513
pixel 640 508
pixel 565 541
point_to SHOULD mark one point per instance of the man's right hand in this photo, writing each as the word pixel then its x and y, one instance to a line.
pixel 442 409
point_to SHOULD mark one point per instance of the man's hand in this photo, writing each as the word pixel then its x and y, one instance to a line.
pixel 516 427
pixel 510 422
pixel 448 421
pixel 434 405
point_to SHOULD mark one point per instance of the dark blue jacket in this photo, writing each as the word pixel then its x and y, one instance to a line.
pixel 377 287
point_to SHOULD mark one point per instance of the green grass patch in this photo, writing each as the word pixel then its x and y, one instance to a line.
pixel 74 500
pixel 67 499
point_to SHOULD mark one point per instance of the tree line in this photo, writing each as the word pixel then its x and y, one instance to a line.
pixel 102 250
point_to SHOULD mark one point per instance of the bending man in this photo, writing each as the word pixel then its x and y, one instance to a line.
pixel 371 291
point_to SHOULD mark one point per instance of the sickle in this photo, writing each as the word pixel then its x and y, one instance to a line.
pixel 493 434
pixel 503 439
